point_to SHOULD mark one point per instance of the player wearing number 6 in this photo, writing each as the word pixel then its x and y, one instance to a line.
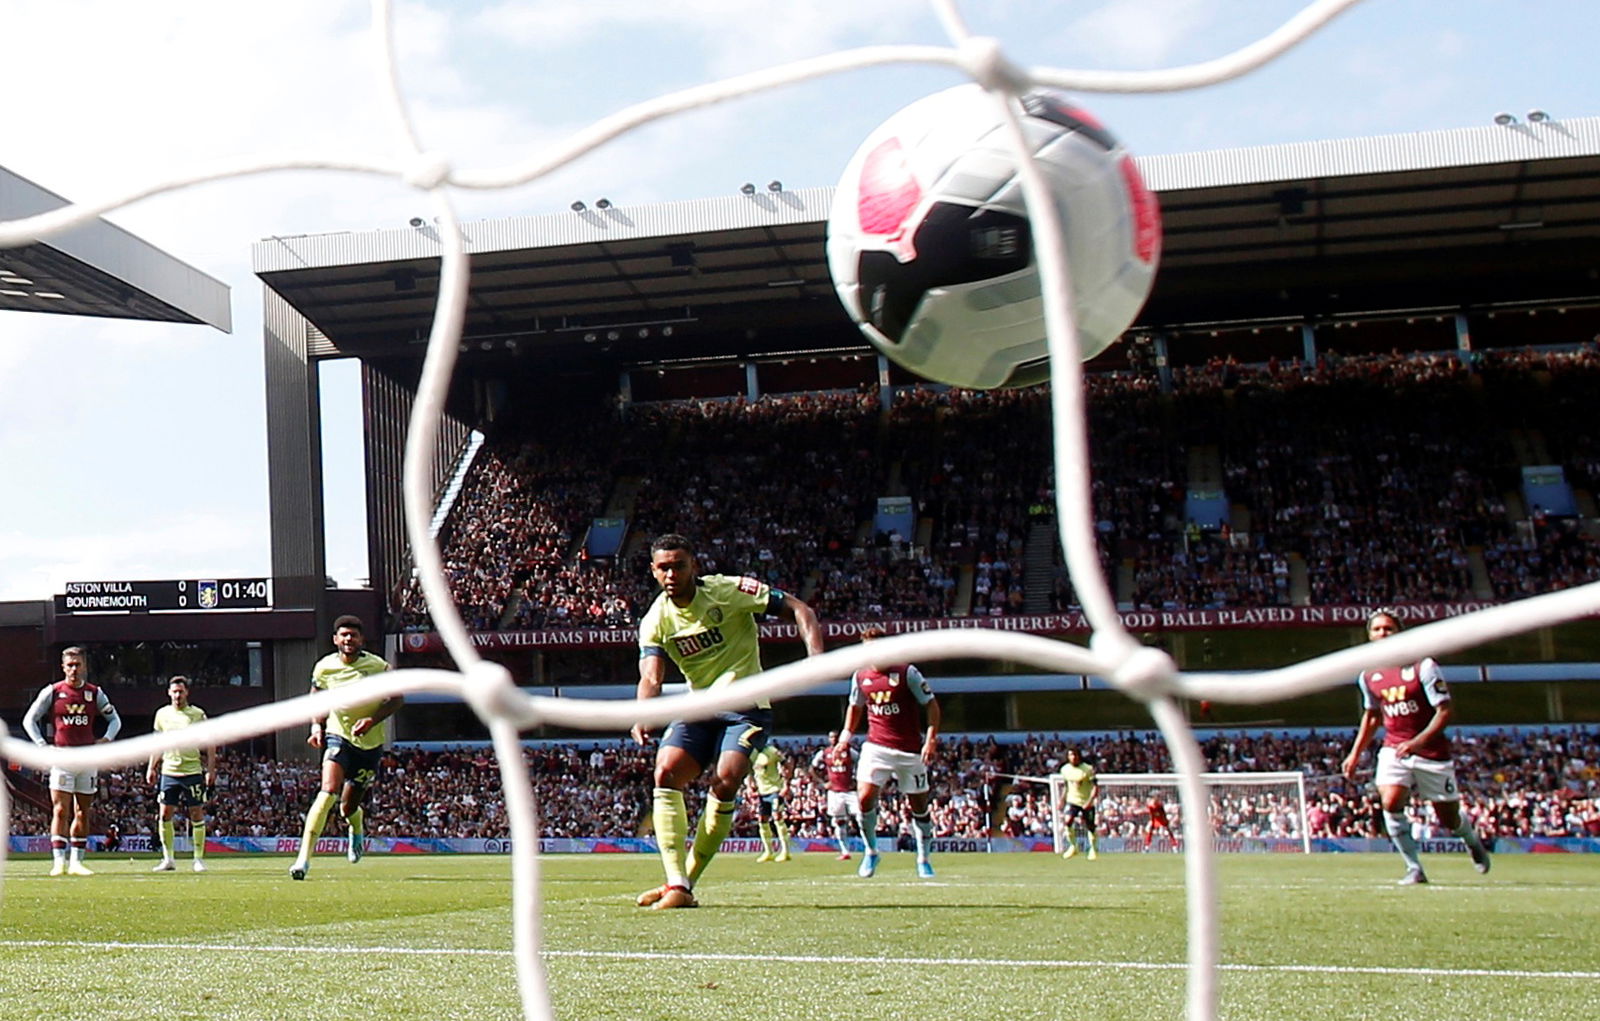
pixel 1412 705
pixel 894 699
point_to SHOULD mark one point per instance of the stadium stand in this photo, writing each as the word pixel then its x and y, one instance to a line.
pixel 1356 480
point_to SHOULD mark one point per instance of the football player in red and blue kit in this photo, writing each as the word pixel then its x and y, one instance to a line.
pixel 894 700
pixel 1412 705
pixel 70 706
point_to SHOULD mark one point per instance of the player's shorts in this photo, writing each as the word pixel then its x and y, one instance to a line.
pixel 708 740
pixel 360 765
pixel 1080 813
pixel 82 782
pixel 843 803
pixel 771 805
pixel 1432 779
pixel 187 791
pixel 879 765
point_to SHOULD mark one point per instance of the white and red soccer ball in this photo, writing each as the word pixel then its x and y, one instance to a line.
pixel 931 249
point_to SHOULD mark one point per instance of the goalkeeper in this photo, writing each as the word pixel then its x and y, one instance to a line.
pixel 706 625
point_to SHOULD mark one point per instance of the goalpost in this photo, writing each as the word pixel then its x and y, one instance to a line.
pixel 1250 812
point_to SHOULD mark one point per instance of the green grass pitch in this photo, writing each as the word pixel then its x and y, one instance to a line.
pixel 994 936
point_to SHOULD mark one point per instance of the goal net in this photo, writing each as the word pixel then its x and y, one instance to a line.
pixel 1142 673
pixel 1249 812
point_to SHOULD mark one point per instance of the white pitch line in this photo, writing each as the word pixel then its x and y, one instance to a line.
pixel 634 955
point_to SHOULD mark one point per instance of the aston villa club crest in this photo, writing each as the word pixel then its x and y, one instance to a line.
pixel 209 595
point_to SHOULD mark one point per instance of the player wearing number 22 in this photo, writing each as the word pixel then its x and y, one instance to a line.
pixel 1412 705
pixel 706 625
pixel 894 699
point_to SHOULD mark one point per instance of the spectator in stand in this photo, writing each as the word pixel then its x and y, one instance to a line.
pixel 1412 706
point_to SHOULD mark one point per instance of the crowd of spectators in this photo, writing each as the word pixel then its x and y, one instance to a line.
pixel 1526 783
pixel 1384 475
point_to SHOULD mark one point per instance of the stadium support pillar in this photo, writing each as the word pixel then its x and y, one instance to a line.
pixel 1308 344
pixel 752 384
pixel 885 388
pixel 294 479
pixel 1463 339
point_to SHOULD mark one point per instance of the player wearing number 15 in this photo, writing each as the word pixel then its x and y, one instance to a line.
pixel 184 784
pixel 1412 705
pixel 351 740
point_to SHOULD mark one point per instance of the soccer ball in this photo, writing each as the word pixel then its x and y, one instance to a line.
pixel 931 249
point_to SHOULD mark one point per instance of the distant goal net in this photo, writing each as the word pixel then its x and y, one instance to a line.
pixel 1250 812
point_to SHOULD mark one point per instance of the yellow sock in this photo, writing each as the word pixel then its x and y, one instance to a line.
pixel 357 821
pixel 672 828
pixel 316 819
pixel 197 834
pixel 167 828
pixel 765 829
pixel 783 835
pixel 716 822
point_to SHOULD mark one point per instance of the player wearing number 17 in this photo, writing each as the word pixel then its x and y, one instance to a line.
pixel 1412 705
pixel 894 699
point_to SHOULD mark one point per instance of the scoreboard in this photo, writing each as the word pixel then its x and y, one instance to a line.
pixel 165 596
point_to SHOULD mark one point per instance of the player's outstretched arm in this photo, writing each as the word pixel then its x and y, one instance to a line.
pixel 804 618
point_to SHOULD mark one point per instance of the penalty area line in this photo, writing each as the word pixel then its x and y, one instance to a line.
pixel 637 955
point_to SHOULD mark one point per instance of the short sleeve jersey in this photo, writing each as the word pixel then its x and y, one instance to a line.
pixel 179 761
pixel 1407 696
pixel 1080 782
pixel 714 639
pixel 333 672
pixel 893 697
pixel 841 768
pixel 767 769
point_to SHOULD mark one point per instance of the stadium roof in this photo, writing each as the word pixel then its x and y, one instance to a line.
pixel 1435 220
pixel 100 270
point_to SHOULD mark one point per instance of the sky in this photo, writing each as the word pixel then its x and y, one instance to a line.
pixel 137 451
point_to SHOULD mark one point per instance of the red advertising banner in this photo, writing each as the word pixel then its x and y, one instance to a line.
pixel 1044 624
